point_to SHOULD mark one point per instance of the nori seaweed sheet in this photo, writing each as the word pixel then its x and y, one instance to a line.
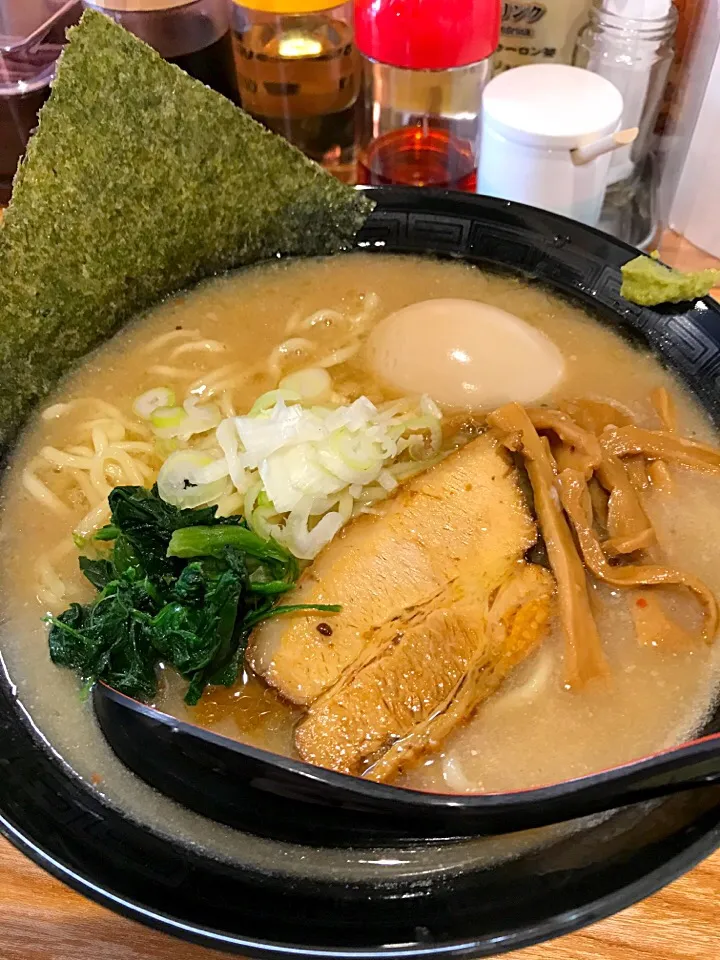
pixel 140 181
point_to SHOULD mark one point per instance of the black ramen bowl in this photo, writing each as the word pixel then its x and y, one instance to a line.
pixel 309 896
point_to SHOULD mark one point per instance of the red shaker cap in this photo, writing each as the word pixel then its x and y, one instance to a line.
pixel 427 34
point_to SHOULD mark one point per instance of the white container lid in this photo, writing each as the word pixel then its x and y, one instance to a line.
pixel 552 105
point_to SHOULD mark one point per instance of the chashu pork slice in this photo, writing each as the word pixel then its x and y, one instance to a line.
pixel 467 511
pixel 421 676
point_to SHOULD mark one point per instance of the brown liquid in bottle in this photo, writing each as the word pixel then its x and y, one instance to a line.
pixel 18 117
pixel 193 34
pixel 417 157
pixel 212 62
pixel 299 76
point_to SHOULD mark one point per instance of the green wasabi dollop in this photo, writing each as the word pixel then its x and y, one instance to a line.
pixel 648 283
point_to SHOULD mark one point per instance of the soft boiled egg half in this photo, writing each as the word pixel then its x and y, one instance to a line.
pixel 464 354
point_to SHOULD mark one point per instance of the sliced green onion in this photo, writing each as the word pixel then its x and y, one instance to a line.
pixel 355 450
pixel 150 401
pixel 202 416
pixel 251 496
pixel 268 400
pixel 191 478
pixel 387 481
pixel 429 408
pixel 313 385
pixel 261 516
pixel 163 417
pixel 299 469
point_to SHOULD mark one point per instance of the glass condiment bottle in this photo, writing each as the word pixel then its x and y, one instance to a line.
pixel 299 74
pixel 425 65
pixel 31 37
pixel 194 34
pixel 631 44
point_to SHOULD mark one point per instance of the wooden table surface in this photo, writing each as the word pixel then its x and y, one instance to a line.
pixel 40 919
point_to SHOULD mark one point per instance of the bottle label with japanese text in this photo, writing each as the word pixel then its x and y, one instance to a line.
pixel 539 32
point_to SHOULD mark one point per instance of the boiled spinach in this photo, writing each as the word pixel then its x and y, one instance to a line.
pixel 179 587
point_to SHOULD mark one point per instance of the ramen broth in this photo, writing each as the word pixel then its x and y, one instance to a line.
pixel 534 730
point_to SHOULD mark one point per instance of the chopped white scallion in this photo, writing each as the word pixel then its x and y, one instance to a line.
pixel 291 474
pixel 312 385
pixel 150 401
pixel 268 400
pixel 164 418
pixel 229 442
pixel 429 408
pixel 301 469
pixel 186 421
pixel 387 481
pixel 192 478
pixel 306 543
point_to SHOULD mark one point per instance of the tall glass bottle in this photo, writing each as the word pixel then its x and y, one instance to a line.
pixel 425 65
pixel 631 43
pixel 194 34
pixel 298 74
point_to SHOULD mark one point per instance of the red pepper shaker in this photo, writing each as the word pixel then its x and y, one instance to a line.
pixel 425 65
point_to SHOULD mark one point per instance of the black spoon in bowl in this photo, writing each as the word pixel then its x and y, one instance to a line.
pixel 287 799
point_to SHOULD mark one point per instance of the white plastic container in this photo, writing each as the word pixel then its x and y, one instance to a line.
pixel 532 119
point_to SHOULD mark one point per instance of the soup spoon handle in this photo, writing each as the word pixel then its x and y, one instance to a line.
pixel 276 796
